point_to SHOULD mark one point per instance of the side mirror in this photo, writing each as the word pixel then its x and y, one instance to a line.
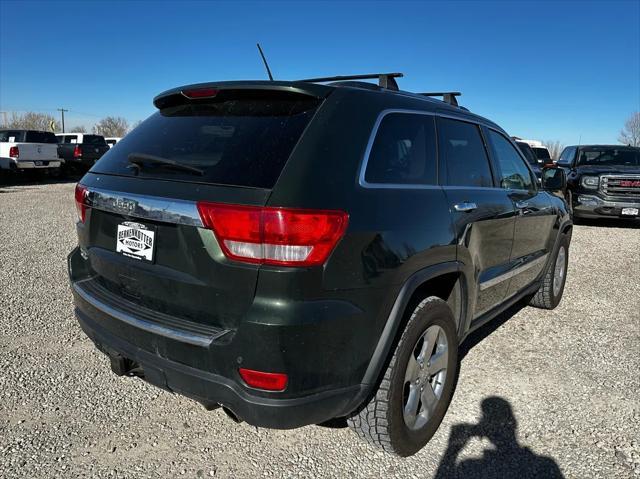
pixel 554 179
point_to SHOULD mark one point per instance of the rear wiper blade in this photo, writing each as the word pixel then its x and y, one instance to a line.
pixel 139 159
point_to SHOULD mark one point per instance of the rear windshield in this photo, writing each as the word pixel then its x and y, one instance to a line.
pixel 12 136
pixel 527 152
pixel 41 137
pixel 93 140
pixel 609 156
pixel 542 153
pixel 242 142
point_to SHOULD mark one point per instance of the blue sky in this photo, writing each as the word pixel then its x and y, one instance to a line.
pixel 544 70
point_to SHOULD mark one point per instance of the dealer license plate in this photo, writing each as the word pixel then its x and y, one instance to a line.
pixel 629 211
pixel 136 241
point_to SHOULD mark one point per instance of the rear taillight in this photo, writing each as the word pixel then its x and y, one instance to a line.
pixel 277 236
pixel 262 380
pixel 196 93
pixel 81 201
pixel 77 152
pixel 14 152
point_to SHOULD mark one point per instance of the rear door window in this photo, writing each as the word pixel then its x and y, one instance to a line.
pixel 462 154
pixel 404 151
pixel 242 141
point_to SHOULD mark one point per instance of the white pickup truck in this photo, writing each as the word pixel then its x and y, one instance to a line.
pixel 28 150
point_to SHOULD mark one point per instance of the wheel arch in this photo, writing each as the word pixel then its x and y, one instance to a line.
pixel 445 281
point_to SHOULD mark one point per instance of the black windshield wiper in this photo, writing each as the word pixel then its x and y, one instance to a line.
pixel 139 159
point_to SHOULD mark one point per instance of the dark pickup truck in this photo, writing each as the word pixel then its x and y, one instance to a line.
pixel 80 150
pixel 603 180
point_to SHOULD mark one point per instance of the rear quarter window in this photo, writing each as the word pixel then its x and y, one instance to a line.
pixel 403 151
pixel 241 142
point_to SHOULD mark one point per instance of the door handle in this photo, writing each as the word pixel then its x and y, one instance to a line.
pixel 465 206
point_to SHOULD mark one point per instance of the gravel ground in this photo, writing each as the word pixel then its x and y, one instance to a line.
pixel 536 388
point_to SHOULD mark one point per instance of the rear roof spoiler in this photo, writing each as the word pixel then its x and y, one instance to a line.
pixel 171 97
pixel 308 86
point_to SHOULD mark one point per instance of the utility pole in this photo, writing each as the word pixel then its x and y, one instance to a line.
pixel 62 110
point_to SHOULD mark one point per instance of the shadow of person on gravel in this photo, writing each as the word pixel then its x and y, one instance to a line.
pixel 489 328
pixel 505 460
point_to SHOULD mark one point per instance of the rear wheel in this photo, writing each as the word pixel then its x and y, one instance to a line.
pixel 552 287
pixel 417 386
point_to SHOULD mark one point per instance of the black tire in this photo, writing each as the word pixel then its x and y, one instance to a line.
pixel 381 422
pixel 547 297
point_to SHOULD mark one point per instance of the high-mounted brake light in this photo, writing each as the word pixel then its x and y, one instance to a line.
pixel 200 93
pixel 275 236
pixel 261 380
pixel 77 152
pixel 14 152
pixel 81 201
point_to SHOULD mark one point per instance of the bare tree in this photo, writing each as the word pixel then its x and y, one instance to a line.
pixel 554 147
pixel 78 129
pixel 135 125
pixel 112 126
pixel 630 134
pixel 33 121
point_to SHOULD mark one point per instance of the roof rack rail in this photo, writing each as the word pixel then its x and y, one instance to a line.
pixel 385 80
pixel 447 96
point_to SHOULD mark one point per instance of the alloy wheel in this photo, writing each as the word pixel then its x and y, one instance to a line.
pixel 559 270
pixel 425 377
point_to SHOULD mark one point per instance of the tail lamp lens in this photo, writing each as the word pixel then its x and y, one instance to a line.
pixel 81 201
pixel 275 236
pixel 200 93
pixel 77 152
pixel 262 380
pixel 14 152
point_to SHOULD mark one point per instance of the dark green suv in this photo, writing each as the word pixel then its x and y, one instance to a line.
pixel 306 253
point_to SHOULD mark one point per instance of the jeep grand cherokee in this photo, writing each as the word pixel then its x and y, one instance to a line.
pixel 302 253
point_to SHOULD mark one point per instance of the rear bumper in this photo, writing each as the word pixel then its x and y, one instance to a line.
pixel 592 206
pixel 25 165
pixel 201 361
pixel 85 163
pixel 212 390
pixel 17 164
